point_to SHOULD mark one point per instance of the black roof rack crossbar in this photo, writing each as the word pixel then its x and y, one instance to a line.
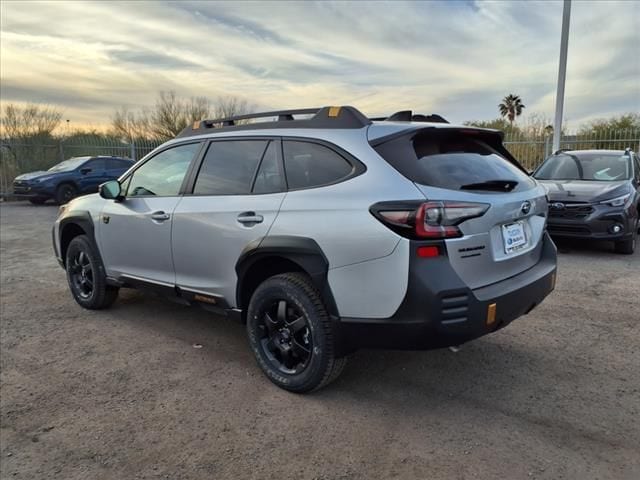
pixel 409 116
pixel 281 114
pixel 323 117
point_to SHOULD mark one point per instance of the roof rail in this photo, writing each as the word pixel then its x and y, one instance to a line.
pixel 323 117
pixel 409 116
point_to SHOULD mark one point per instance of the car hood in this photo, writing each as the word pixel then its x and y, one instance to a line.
pixel 583 190
pixel 34 175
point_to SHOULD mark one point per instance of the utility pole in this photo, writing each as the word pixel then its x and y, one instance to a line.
pixel 562 74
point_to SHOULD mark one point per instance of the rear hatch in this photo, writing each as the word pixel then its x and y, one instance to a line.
pixel 454 165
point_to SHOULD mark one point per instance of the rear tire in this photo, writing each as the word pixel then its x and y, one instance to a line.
pixel 627 247
pixel 65 193
pixel 86 275
pixel 38 200
pixel 291 334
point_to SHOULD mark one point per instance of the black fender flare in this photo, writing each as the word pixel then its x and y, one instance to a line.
pixel 303 251
pixel 81 218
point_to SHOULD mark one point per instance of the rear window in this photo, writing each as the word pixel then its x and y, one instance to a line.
pixel 453 161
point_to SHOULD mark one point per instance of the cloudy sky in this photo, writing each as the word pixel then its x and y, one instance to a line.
pixel 456 58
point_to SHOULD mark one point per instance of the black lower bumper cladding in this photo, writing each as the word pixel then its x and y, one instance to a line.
pixel 439 310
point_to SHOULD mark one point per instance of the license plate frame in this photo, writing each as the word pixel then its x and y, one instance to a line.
pixel 514 237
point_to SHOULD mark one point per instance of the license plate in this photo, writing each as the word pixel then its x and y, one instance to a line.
pixel 513 237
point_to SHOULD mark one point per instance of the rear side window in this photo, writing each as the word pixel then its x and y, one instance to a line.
pixel 228 167
pixel 312 165
pixel 95 164
pixel 453 161
pixel 116 163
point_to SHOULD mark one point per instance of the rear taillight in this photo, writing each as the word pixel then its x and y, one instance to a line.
pixel 441 219
pixel 429 220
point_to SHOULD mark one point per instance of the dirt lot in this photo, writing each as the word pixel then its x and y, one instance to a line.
pixel 123 394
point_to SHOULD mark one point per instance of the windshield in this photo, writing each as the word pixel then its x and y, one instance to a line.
pixel 600 167
pixel 68 165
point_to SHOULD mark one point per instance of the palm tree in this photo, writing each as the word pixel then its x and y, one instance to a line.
pixel 511 107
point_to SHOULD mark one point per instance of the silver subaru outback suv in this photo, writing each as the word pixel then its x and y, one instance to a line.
pixel 324 231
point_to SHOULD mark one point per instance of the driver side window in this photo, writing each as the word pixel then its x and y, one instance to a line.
pixel 163 174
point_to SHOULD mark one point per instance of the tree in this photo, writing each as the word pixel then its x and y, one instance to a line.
pixel 511 107
pixel 29 121
pixel 627 121
pixel 171 114
pixel 497 124
pixel 129 125
pixel 231 106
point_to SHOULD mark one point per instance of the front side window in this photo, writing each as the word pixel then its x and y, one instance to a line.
pixel 312 165
pixel 585 166
pixel 163 174
pixel 229 166
pixel 269 178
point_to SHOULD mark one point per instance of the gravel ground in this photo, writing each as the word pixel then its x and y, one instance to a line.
pixel 123 393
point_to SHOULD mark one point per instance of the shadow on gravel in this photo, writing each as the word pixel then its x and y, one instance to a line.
pixel 484 373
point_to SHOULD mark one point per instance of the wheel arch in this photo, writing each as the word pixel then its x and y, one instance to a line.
pixel 74 224
pixel 277 254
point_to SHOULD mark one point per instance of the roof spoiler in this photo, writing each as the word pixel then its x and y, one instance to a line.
pixel 409 116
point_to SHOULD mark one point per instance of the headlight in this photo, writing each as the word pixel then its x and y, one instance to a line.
pixel 618 201
pixel 41 179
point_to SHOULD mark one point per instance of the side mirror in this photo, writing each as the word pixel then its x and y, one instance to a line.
pixel 110 190
pixel 85 170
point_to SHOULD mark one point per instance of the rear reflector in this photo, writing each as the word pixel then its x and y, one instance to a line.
pixel 428 252
pixel 491 314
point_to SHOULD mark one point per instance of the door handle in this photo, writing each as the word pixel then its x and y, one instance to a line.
pixel 250 217
pixel 160 216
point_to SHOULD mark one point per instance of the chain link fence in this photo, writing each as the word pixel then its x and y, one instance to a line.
pixel 20 156
pixel 532 150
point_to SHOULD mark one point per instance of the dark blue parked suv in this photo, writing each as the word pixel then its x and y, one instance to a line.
pixel 70 178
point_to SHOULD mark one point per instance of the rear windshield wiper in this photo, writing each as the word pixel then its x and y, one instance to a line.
pixel 492 185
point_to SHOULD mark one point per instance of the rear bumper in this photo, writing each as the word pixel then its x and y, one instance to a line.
pixel 597 225
pixel 440 311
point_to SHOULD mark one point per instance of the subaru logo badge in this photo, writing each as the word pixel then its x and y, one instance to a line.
pixel 525 207
pixel 557 206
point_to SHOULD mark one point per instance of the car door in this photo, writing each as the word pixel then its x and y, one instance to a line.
pixel 235 199
pixel 135 232
pixel 91 174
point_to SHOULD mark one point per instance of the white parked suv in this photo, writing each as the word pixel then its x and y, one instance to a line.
pixel 324 231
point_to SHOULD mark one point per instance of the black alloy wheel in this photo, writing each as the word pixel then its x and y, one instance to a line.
pixel 292 335
pixel 286 339
pixel 86 276
pixel 65 193
pixel 81 274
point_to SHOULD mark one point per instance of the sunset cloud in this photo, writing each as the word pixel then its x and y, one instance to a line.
pixel 455 58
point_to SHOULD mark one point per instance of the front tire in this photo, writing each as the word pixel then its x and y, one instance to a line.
pixel 627 247
pixel 86 276
pixel 65 193
pixel 291 334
